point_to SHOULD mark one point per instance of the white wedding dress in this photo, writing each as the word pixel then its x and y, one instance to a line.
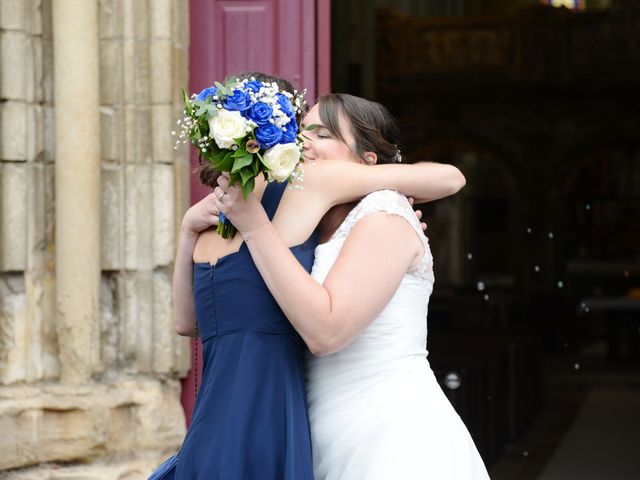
pixel 375 407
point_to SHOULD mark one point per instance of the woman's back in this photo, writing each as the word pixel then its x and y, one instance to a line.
pixel 250 418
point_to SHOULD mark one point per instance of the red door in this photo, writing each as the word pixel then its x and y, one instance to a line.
pixel 288 38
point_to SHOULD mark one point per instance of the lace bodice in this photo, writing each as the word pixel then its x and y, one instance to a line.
pixel 393 203
pixel 400 331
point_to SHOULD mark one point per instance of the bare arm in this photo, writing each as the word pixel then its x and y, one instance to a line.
pixel 342 181
pixel 326 316
pixel 199 217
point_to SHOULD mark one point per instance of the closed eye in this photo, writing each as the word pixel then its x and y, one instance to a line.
pixel 323 133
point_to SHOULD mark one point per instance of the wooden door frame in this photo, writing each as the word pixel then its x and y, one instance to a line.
pixel 197 58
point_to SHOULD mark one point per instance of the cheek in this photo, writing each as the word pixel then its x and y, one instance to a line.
pixel 338 151
pixel 345 153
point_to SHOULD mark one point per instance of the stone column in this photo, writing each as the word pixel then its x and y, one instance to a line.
pixel 77 183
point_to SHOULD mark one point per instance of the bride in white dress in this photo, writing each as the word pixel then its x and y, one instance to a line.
pixel 375 407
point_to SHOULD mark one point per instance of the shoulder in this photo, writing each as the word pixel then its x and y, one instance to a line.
pixel 385 197
pixel 388 201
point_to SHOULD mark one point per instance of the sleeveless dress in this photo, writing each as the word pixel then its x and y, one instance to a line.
pixel 376 409
pixel 250 419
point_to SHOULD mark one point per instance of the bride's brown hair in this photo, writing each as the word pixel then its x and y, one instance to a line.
pixel 373 127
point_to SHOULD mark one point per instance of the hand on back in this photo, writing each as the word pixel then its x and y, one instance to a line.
pixel 418 214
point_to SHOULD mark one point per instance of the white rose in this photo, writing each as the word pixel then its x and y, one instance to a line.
pixel 226 126
pixel 282 160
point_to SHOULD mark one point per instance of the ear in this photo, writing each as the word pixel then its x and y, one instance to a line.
pixel 371 158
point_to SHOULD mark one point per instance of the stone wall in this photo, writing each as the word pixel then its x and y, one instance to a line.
pixel 129 414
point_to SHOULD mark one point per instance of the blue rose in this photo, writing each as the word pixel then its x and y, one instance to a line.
pixel 285 105
pixel 290 132
pixel 260 113
pixel 268 135
pixel 238 101
pixel 253 85
pixel 207 92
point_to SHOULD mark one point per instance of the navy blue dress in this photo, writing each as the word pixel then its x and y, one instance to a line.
pixel 250 419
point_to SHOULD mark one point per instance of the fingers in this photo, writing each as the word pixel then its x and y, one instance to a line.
pixel 223 181
pixel 219 206
pixel 419 216
pixel 219 192
pixel 211 207
pixel 223 184
pixel 411 200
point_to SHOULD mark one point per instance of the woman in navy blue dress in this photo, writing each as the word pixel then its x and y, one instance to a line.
pixel 250 419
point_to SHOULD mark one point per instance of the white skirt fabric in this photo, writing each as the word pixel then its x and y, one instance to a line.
pixel 399 427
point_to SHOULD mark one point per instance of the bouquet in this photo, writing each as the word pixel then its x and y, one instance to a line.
pixel 246 128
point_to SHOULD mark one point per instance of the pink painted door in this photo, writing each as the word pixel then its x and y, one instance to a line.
pixel 288 38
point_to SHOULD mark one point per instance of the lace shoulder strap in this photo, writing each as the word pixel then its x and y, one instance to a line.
pixel 394 203
pixel 381 201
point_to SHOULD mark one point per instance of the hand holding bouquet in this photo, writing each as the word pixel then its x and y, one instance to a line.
pixel 245 127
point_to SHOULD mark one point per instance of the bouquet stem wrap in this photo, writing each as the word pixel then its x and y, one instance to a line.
pixel 225 227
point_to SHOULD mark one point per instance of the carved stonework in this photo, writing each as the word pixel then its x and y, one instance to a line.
pixel 127 415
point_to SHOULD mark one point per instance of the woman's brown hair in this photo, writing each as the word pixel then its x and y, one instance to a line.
pixel 373 127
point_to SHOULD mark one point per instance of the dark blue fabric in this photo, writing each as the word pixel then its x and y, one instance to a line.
pixel 167 470
pixel 250 419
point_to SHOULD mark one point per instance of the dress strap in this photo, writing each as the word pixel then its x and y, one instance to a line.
pixel 271 197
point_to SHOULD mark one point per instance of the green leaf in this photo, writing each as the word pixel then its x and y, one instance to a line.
pixel 225 163
pixel 246 174
pixel 241 162
pixel 235 179
pixel 248 187
pixel 185 96
pixel 313 126
pixel 262 161
pixel 240 152
pixel 212 111
pixel 213 155
pixel 242 141
pixel 224 90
